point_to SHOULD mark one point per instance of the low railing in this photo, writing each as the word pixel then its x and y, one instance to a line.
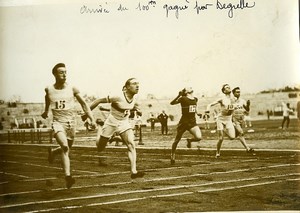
pixel 37 135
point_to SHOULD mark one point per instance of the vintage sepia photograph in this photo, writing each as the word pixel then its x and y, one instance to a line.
pixel 149 106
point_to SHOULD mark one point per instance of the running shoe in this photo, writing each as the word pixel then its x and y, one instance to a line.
pixel 189 143
pixel 137 175
pixel 251 151
pixel 218 155
pixel 69 181
pixel 172 161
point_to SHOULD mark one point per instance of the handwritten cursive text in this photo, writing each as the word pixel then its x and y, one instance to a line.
pixel 199 7
pixel 86 9
pixel 175 8
pixel 231 7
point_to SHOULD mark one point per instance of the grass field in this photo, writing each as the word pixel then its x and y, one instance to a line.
pixel 237 181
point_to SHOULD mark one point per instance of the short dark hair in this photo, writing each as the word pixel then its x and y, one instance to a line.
pixel 127 83
pixel 236 88
pixel 223 87
pixel 57 66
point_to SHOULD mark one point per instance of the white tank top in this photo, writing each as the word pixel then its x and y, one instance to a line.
pixel 62 103
pixel 239 110
pixel 227 106
pixel 120 106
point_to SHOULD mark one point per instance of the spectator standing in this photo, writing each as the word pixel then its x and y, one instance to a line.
pixel 152 122
pixel 163 119
pixel 286 114
pixel 206 118
pixel 268 114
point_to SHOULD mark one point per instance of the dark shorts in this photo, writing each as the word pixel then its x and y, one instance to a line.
pixel 186 124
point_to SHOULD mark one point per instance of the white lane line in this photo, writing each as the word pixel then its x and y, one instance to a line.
pixel 143 157
pixel 184 160
pixel 239 170
pixel 43 166
pixel 146 180
pixel 151 147
pixel 13 174
pixel 167 195
pixel 5 182
pixel 226 172
pixel 145 190
pixel 97 174
pixel 110 150
pixel 246 186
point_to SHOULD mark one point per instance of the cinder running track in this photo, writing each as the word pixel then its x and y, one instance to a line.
pixel 197 182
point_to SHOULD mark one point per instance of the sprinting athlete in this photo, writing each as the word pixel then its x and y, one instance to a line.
pixel 241 107
pixel 104 112
pixel 118 121
pixel 60 99
pixel 224 118
pixel 188 119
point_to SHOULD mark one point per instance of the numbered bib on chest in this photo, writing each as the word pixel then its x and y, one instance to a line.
pixel 60 104
pixel 230 107
pixel 192 108
pixel 61 99
pixel 120 106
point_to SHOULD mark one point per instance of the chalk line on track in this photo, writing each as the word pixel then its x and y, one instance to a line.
pixel 155 148
pixel 150 190
pixel 97 174
pixel 159 179
pixel 13 174
pixel 153 196
pixel 51 167
pixel 128 200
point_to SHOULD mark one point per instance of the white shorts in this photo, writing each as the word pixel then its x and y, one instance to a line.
pixel 247 118
pixel 224 122
pixel 68 128
pixel 112 125
pixel 238 123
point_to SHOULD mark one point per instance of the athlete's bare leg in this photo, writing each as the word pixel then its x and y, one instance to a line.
pixel 196 132
pixel 240 136
pixel 220 141
pixel 99 131
pixel 174 145
pixel 128 138
pixel 230 132
pixel 64 149
pixel 101 144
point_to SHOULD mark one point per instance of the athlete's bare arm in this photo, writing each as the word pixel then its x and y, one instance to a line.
pixel 247 106
pixel 213 104
pixel 137 109
pixel 84 106
pixel 176 100
pixel 47 104
pixel 94 105
pixel 99 101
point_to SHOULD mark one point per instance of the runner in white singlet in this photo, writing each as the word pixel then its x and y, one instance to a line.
pixel 60 99
pixel 118 121
pixel 224 118
pixel 241 107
